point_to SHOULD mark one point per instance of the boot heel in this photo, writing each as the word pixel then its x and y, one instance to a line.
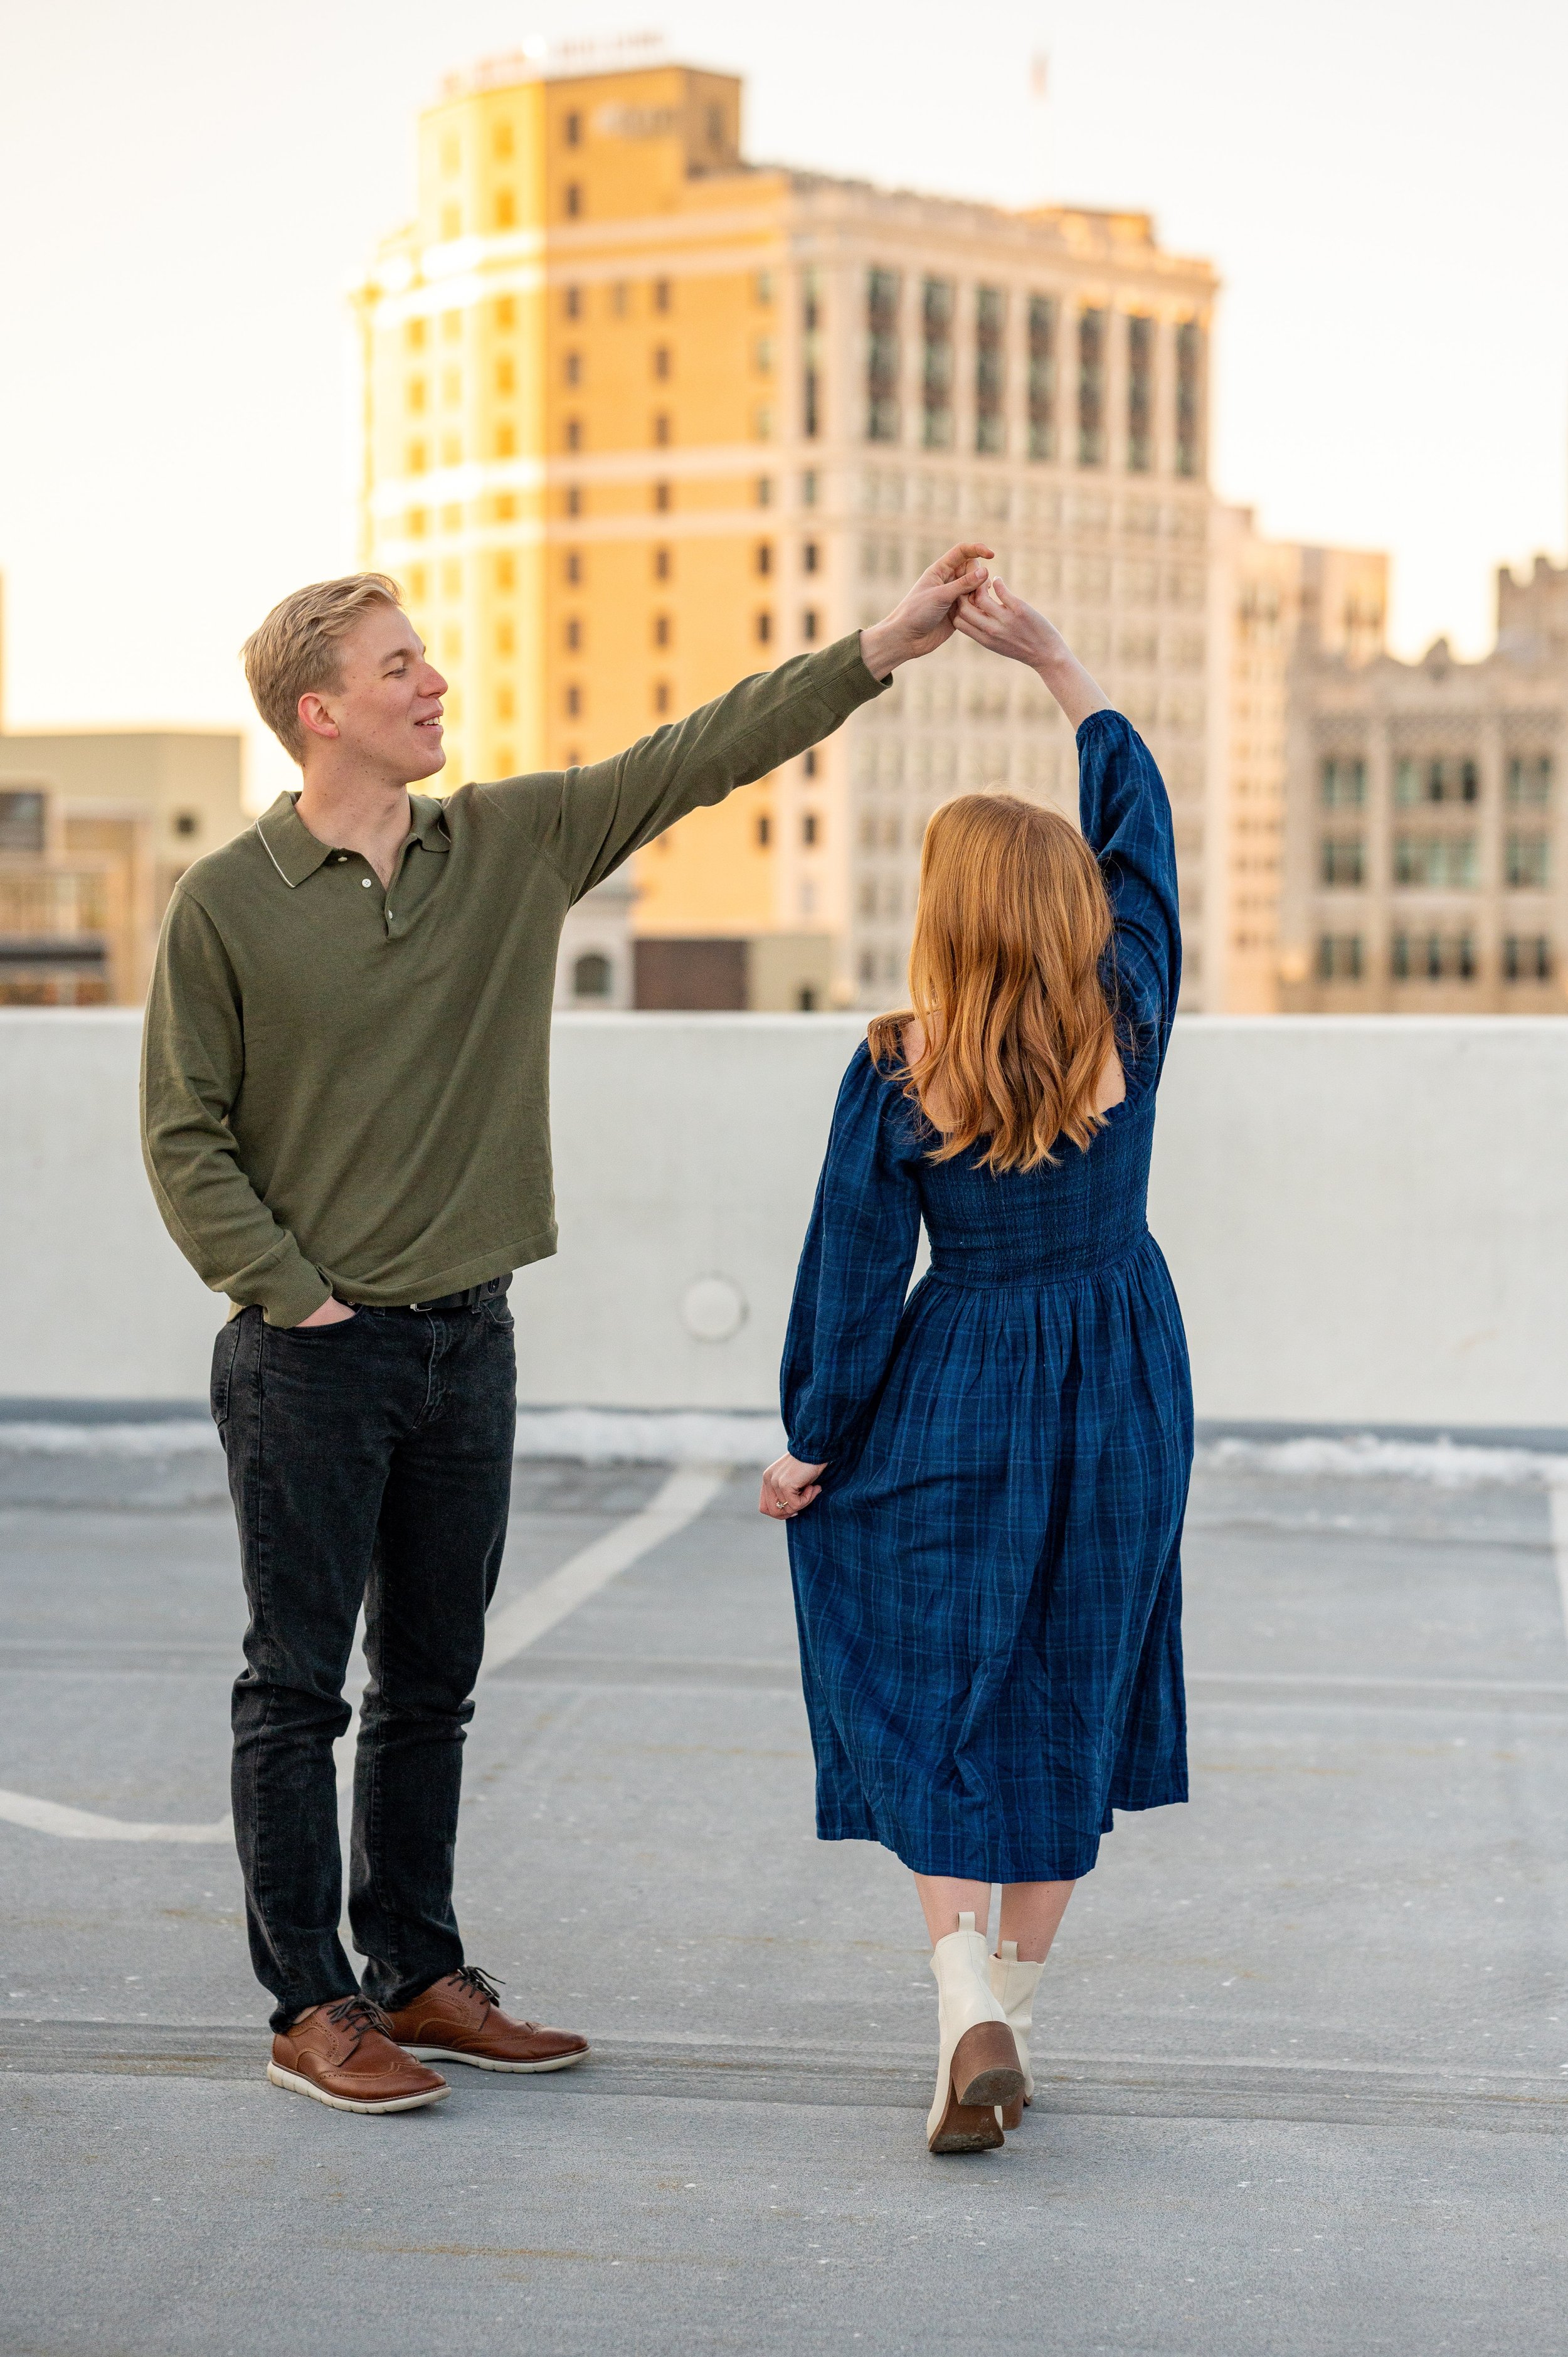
pixel 1011 2115
pixel 986 2066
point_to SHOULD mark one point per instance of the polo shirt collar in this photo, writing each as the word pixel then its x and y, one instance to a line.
pixel 295 852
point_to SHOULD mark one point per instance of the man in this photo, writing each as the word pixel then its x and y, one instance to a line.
pixel 344 1119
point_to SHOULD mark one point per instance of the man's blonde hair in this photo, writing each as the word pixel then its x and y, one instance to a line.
pixel 294 651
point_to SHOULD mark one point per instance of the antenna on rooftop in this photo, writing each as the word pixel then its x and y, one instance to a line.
pixel 1039 94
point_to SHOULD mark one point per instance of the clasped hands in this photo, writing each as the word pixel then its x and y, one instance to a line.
pixel 958 594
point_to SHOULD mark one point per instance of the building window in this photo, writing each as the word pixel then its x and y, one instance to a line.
pixel 1140 395
pixel 662 629
pixel 763 628
pixel 573 200
pixel 574 566
pixel 1344 784
pixel 1343 860
pixel 808 626
pixel 574 368
pixel 1092 388
pixel 1530 780
pixel 506 572
pixel 1528 862
pixel 1441 862
pixel 809 557
pixel 418 457
pixel 882 356
pixel 764 831
pixel 661 361
pixel 1433 957
pixel 1449 781
pixel 990 370
pixel 936 305
pixel 574 434
pixel 506 311
pixel 808 490
pixel 574 499
pixel 574 634
pixel 572 301
pixel 573 702
pixel 762 558
pixel 573 131
pixel 810 830
pixel 506 209
pixel 661 497
pixel 763 490
pixel 592 974
pixel 661 430
pixel 661 297
pixel 661 565
pixel 661 696
pixel 1042 376
pixel 810 355
pixel 414 335
pixel 809 763
pixel 416 392
pixel 1340 957
pixel 1526 957
pixel 1189 398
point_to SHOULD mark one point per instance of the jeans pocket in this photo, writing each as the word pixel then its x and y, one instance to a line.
pixel 224 1354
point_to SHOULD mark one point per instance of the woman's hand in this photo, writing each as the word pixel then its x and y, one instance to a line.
pixel 788 1487
pixel 994 617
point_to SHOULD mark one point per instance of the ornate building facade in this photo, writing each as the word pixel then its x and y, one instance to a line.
pixel 1426 845
pixel 639 417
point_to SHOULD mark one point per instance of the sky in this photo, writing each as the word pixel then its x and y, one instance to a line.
pixel 188 188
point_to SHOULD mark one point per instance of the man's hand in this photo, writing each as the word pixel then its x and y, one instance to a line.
pixel 924 618
pixel 331 1313
pixel 787 1487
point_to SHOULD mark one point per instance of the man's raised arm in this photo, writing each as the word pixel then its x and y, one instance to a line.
pixel 610 809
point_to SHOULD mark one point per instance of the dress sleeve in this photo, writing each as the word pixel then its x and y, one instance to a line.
pixel 1125 814
pixel 854 1270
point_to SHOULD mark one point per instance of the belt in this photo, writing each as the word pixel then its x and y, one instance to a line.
pixel 470 1298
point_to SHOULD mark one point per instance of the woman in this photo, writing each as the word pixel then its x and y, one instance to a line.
pixel 985 1482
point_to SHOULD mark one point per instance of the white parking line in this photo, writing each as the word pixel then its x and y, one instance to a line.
pixel 1557 1495
pixel 683 1497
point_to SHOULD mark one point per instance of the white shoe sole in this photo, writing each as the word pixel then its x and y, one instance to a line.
pixel 484 2062
pixel 293 2085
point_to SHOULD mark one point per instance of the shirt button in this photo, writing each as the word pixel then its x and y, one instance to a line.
pixel 365 883
pixel 342 855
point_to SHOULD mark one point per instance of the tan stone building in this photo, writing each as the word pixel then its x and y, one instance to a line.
pixel 95 827
pixel 640 416
pixel 1426 857
pixel 1274 602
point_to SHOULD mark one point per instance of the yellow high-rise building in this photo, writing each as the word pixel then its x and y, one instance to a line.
pixel 640 417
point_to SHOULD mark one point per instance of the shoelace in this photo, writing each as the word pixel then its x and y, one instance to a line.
pixel 471 1977
pixel 359 2014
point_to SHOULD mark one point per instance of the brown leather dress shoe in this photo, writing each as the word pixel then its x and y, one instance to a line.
pixel 342 2055
pixel 459 2019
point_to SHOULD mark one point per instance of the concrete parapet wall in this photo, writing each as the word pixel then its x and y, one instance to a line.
pixel 1365 1217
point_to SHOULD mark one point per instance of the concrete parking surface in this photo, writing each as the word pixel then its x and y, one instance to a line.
pixel 1305 2078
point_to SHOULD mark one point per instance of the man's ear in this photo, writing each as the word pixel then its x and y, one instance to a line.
pixel 315 717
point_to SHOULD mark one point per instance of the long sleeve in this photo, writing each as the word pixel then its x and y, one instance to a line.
pixel 193 1056
pixel 604 812
pixel 1125 814
pixel 855 1269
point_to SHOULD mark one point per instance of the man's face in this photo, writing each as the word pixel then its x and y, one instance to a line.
pixel 388 709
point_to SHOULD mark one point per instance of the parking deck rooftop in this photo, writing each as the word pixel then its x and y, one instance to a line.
pixel 1306 2085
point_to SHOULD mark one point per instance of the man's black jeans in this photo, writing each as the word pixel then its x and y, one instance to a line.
pixel 369 1460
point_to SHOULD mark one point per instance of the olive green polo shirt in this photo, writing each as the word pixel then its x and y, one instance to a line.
pixel 346 1090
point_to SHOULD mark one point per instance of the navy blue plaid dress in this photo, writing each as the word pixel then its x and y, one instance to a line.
pixel 988 1591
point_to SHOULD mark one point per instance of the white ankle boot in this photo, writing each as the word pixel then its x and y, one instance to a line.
pixel 977 2063
pixel 1013 1985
